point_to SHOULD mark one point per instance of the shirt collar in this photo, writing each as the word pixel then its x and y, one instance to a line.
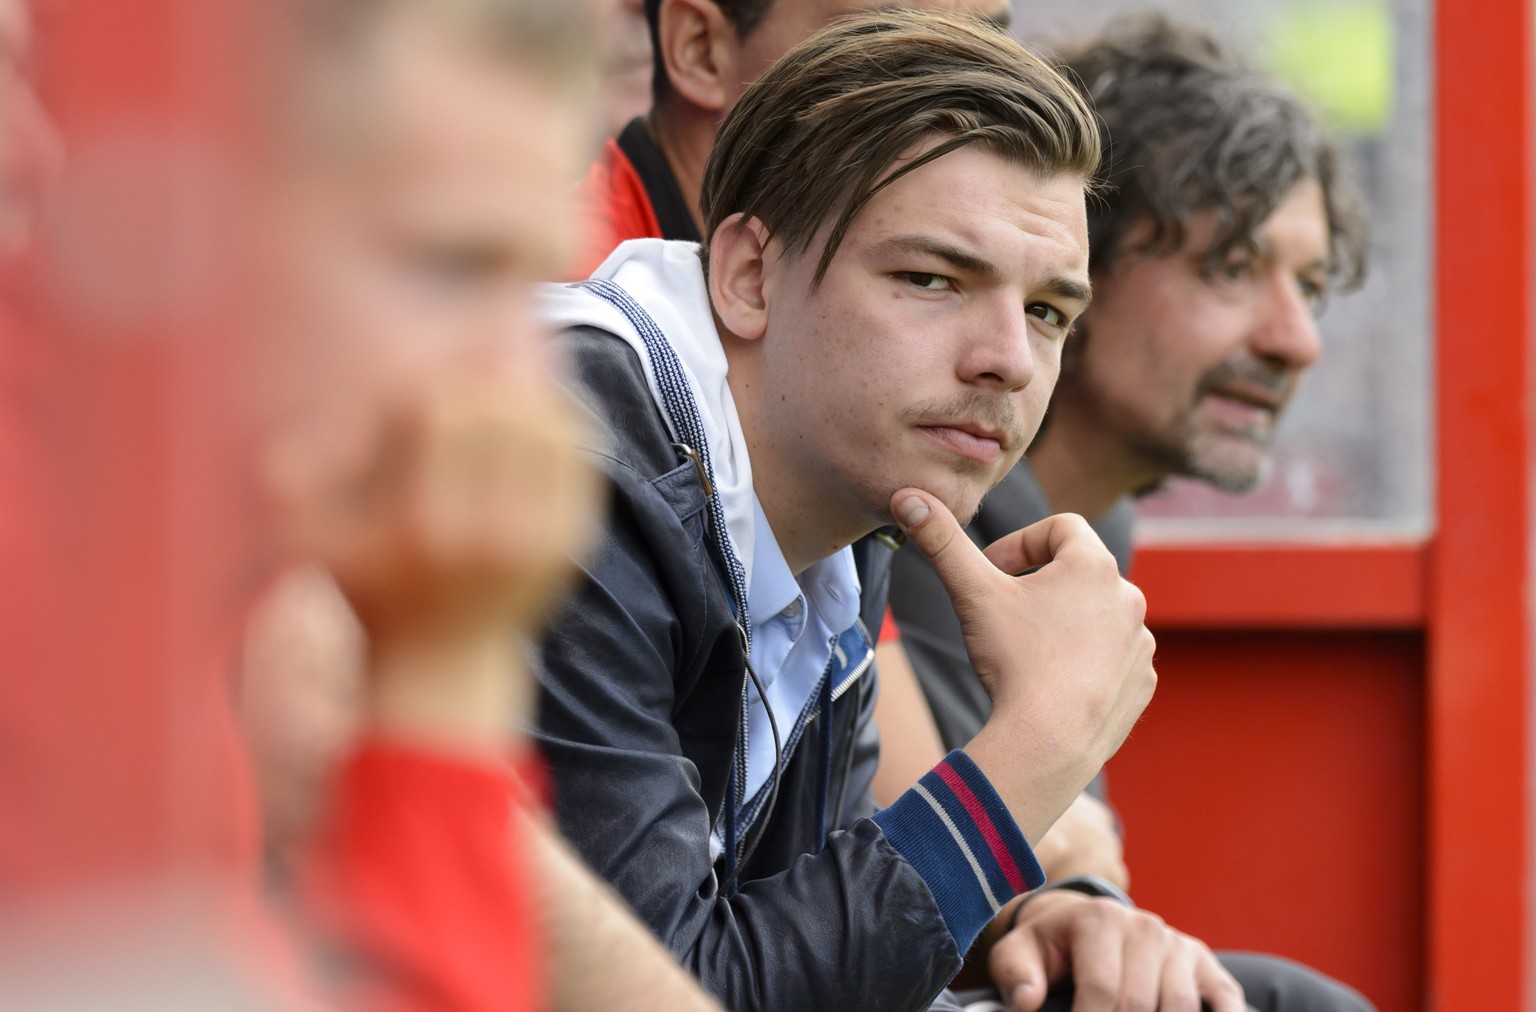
pixel 773 587
pixel 830 585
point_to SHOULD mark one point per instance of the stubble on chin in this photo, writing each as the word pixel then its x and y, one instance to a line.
pixel 1228 473
pixel 1232 462
pixel 962 495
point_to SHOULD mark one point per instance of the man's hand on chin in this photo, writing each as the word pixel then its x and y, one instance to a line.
pixel 1058 640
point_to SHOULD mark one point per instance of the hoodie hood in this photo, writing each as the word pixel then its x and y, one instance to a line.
pixel 667 280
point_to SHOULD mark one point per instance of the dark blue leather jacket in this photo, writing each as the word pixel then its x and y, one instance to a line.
pixel 641 694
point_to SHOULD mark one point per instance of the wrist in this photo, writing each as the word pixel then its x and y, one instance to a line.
pixel 459 693
pixel 1034 799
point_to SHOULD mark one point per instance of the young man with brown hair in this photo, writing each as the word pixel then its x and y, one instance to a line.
pixel 897 250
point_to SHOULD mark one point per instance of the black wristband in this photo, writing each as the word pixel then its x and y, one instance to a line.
pixel 1088 885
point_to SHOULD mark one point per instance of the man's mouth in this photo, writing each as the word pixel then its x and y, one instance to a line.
pixel 1265 400
pixel 968 439
pixel 1242 411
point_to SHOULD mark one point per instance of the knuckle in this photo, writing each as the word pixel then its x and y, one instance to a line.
pixel 1104 565
pixel 1076 523
pixel 1096 985
pixel 1226 987
pixel 1136 599
pixel 1103 913
pixel 1148 929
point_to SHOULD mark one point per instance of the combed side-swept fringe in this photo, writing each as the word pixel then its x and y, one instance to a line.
pixel 817 136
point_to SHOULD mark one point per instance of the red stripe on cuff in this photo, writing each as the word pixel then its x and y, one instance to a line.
pixel 978 814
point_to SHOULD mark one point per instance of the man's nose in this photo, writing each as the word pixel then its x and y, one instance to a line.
pixel 1287 329
pixel 999 350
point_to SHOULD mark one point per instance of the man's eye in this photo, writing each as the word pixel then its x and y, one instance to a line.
pixel 1315 292
pixel 453 265
pixel 1048 314
pixel 1235 270
pixel 927 282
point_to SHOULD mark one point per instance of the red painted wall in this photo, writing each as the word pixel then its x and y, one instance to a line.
pixel 1273 799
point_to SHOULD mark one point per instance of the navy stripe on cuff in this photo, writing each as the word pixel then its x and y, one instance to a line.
pixel 953 828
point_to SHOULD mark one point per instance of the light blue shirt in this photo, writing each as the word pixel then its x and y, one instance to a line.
pixel 794 626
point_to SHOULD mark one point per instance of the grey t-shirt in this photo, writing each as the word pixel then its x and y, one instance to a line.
pixel 930 631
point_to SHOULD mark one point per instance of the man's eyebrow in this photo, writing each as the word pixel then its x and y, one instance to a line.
pixel 1322 265
pixel 1059 284
pixel 1265 247
pixel 1069 288
pixel 959 258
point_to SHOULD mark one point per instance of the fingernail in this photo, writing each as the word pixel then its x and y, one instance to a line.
pixel 911 511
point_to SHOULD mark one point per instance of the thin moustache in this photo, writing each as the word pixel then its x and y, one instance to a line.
pixel 995 418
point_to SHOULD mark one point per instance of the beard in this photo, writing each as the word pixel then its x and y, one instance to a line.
pixel 1232 457
pixel 1228 462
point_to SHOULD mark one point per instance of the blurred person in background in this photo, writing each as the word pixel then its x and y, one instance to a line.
pixel 1223 224
pixel 626 64
pixel 31 156
pixel 301 669
pixel 408 439
pixel 427 460
pixel 428 463
pixel 705 52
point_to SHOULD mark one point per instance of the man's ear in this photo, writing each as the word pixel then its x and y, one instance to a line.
pixel 737 254
pixel 698 48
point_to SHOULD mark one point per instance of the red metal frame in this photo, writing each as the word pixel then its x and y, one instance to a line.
pixel 1479 662
pixel 1283 586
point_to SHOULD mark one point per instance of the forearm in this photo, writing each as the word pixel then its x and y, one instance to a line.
pixel 462 695
pixel 600 956
pixel 853 925
pixel 1035 792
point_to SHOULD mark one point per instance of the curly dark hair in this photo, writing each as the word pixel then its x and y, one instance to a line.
pixel 1187 127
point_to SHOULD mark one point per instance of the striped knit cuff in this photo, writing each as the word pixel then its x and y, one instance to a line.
pixel 954 830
